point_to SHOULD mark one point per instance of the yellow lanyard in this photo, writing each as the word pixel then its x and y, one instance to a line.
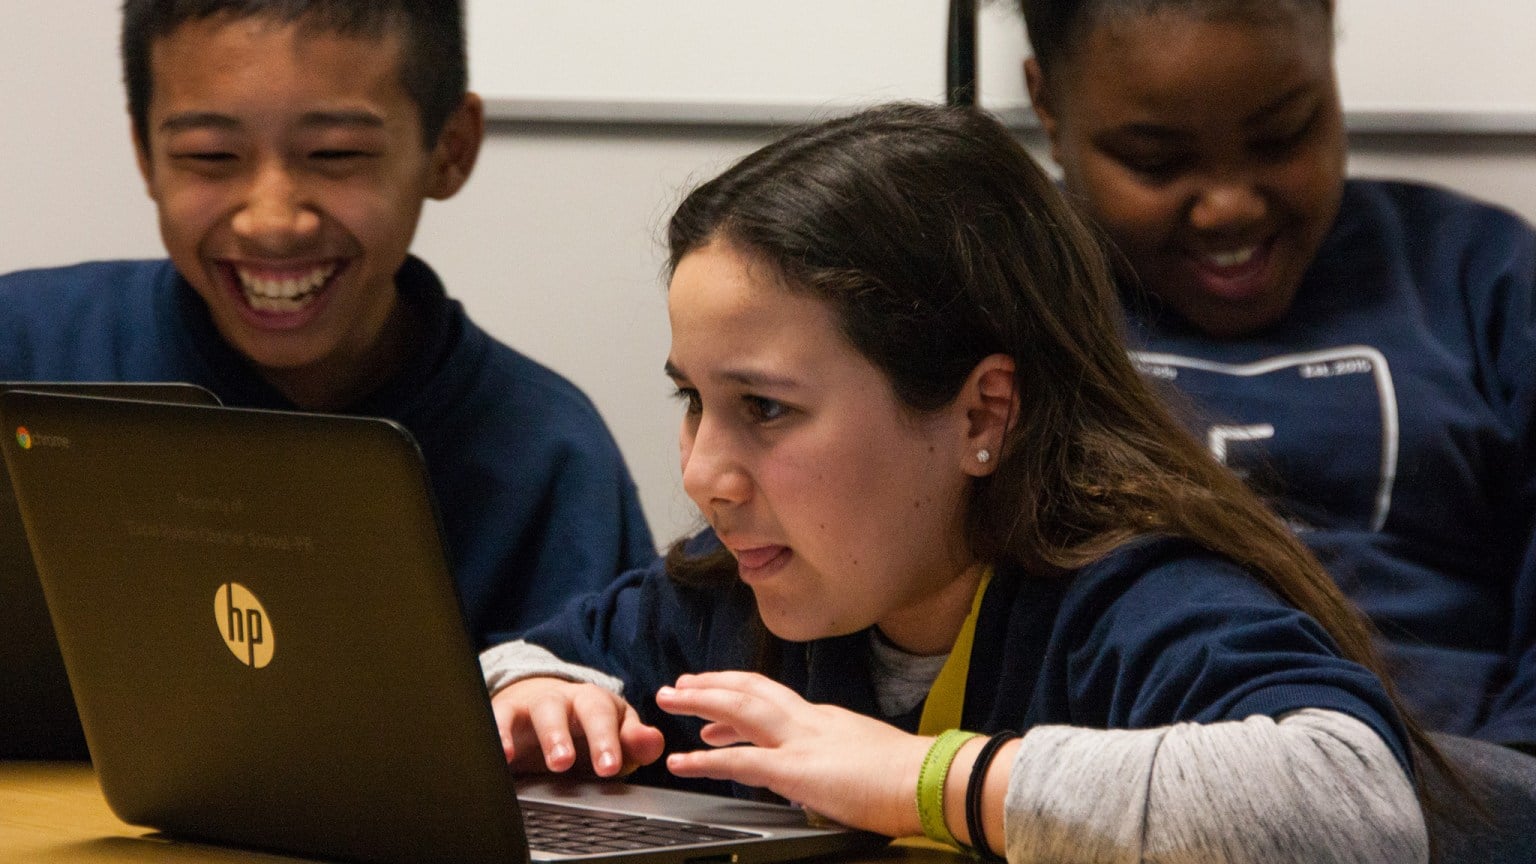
pixel 946 698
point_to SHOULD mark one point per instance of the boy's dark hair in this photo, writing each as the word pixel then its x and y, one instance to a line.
pixel 433 67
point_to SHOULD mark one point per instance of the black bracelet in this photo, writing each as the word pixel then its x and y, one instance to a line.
pixel 973 816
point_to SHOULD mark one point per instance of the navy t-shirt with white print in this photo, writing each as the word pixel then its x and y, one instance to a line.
pixel 1389 417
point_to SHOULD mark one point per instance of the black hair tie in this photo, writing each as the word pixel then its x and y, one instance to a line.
pixel 973 818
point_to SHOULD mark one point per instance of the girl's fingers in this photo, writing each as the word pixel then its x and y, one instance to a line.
pixel 721 735
pixel 505 714
pixel 642 744
pixel 748 765
pixel 522 749
pixel 754 718
pixel 746 682
pixel 551 721
pixel 747 706
pixel 552 724
pixel 597 715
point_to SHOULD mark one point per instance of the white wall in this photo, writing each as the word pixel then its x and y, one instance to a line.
pixel 1433 61
pixel 554 246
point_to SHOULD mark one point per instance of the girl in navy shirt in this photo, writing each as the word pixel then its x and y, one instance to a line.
pixel 1363 352
pixel 941 498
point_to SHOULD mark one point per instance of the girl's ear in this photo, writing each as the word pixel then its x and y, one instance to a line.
pixel 990 399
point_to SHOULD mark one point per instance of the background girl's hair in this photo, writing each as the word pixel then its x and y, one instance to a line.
pixel 937 241
pixel 1058 27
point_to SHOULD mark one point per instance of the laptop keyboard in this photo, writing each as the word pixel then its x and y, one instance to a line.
pixel 578 831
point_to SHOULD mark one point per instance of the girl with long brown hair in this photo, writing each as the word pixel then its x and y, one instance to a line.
pixel 942 501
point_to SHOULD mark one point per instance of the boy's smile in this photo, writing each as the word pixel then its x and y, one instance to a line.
pixel 289 171
pixel 273 293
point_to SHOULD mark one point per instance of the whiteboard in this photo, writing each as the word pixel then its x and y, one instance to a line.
pixel 1404 65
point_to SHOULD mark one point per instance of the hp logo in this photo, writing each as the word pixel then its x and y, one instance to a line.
pixel 244 625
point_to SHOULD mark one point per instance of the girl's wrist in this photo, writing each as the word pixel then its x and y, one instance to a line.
pixel 955 788
pixel 935 803
pixel 972 801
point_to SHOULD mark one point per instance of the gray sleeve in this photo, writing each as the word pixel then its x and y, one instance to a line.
pixel 511 662
pixel 1316 786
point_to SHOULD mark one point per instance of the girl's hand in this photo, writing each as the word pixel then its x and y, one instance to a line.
pixel 843 765
pixel 565 721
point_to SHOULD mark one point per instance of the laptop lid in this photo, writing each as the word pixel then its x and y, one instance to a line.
pixel 37 712
pixel 265 645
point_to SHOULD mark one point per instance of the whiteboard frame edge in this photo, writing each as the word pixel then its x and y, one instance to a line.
pixel 1370 121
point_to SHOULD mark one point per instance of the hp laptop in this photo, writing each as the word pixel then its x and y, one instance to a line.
pixel 267 651
pixel 37 714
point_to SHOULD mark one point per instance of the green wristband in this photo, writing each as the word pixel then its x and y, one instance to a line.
pixel 930 785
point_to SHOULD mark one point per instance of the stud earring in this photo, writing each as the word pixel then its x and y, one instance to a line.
pixel 983 456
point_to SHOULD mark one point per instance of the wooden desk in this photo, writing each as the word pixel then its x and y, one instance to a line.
pixel 53 813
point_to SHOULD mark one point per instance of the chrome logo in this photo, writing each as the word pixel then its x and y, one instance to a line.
pixel 23 437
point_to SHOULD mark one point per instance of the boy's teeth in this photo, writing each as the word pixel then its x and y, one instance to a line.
pixel 1233 258
pixel 276 304
pixel 282 294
